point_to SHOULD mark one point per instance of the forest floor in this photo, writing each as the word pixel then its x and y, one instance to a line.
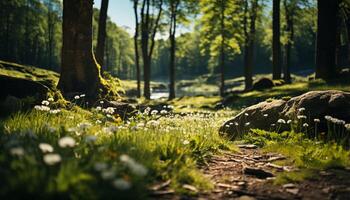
pixel 168 150
pixel 250 174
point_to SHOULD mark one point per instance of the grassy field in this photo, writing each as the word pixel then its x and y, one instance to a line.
pixel 47 152
pixel 55 151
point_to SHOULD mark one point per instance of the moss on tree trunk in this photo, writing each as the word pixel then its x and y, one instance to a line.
pixel 80 73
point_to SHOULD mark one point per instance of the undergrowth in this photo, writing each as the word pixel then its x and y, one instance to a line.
pixel 49 152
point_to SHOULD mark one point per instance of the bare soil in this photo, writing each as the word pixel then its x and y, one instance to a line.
pixel 249 175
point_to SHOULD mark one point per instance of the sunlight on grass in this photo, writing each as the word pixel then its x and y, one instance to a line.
pixel 71 153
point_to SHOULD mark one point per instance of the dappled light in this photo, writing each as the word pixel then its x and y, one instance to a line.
pixel 175 99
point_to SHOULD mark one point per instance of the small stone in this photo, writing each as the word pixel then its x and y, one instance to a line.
pixel 245 197
pixel 289 185
pixel 190 187
pixel 257 172
pixel 275 158
pixel 247 146
pixel 294 191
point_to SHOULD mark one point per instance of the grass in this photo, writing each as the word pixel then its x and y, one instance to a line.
pixel 166 147
pixel 111 158
pixel 310 156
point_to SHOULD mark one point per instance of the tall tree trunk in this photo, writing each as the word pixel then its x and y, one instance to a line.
pixel 137 57
pixel 250 45
pixel 101 38
pixel 289 12
pixel 276 46
pixel 172 33
pixel 222 49
pixel 326 39
pixel 144 46
pixel 80 73
pixel 147 42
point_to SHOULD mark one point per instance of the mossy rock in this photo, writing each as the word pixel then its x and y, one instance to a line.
pixel 263 83
pixel 21 88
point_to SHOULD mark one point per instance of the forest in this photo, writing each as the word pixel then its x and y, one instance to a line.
pixel 199 99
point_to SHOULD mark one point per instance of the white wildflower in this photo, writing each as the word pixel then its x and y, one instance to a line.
pixel 147 110
pixel 84 125
pixel 163 112
pixel 347 126
pixel 305 125
pixel 265 115
pixel 289 121
pixel 154 112
pixel 66 141
pixel 236 124
pixel 110 129
pixel 246 114
pixel 45 148
pixel 247 124
pixel 102 102
pixel 135 167
pixel 301 117
pixel 328 118
pixel 153 123
pixel 55 111
pixel 76 97
pixel 186 142
pixel 121 184
pixel 109 110
pixel 50 99
pixel 46 103
pixel 82 95
pixel 281 121
pixel 42 108
pixel 317 120
pixel 52 158
pixel 301 109
pixel 273 125
pixel 98 108
pixel 98 121
pixel 17 151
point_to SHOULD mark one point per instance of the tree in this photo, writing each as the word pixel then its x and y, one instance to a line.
pixel 249 42
pixel 80 73
pixel 149 27
pixel 290 7
pixel 220 33
pixel 101 32
pixel 326 39
pixel 276 41
pixel 136 41
pixel 173 6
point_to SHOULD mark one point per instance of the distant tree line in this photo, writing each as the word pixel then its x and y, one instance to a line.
pixel 229 38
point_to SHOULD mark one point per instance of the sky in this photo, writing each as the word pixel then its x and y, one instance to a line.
pixel 121 12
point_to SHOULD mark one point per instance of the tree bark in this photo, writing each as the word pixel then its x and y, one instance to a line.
pixel 289 15
pixel 80 73
pixel 222 49
pixel 326 39
pixel 172 32
pixel 250 44
pixel 101 38
pixel 276 46
pixel 148 27
pixel 137 57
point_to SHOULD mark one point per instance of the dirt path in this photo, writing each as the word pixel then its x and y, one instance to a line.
pixel 249 175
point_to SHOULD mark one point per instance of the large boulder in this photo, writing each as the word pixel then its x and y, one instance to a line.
pixel 21 88
pixel 263 83
pixel 306 108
